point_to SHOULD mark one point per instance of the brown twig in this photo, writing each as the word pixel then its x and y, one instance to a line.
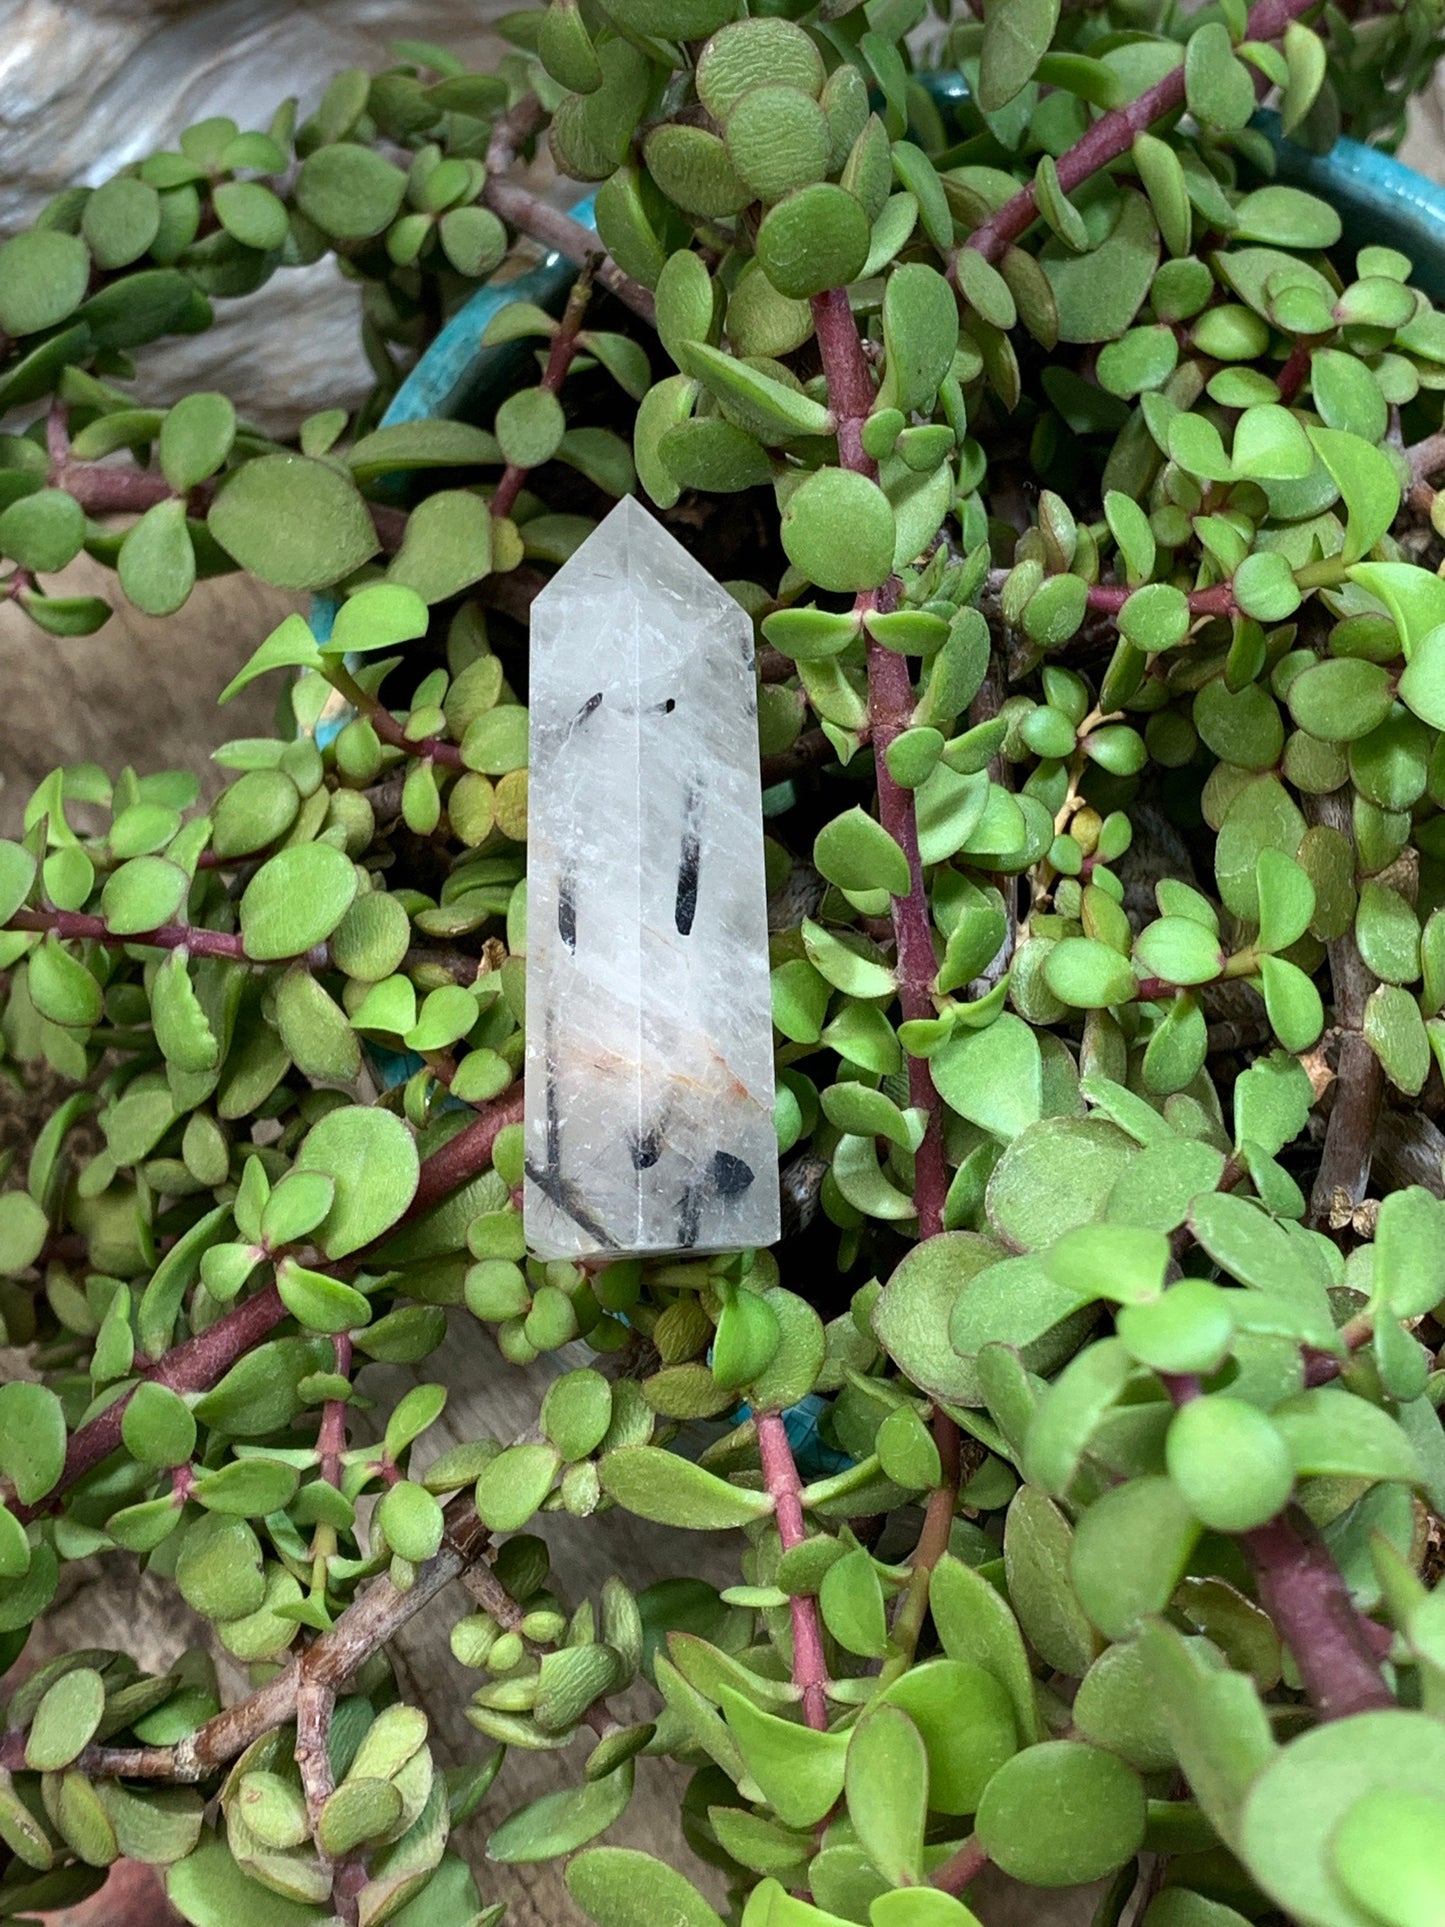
pixel 962 1867
pixel 370 1622
pixel 526 211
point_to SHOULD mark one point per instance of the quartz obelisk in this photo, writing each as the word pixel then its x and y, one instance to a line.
pixel 649 1111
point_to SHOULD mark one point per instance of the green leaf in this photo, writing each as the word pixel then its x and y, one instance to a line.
pixel 24 1228
pixel 993 1077
pixel 1218 87
pixel 157 1427
pixel 1330 1432
pixel 320 1303
pixel 1296 1011
pixel 411 1520
pixel 815 239
pixel 294 522
pixel 920 336
pixel 43 531
pixel 350 192
pixel 65 1721
pixel 886 1780
pixel 1088 974
pixel 251 214
pixel 800 1772
pixel 371 1157
pixel 195 439
pixel 295 901
pixel 1368 482
pixel 1415 597
pixel 157 563
pixel 43 277
pixel 838 528
pixel 560 1822
pixel 32 1439
pixel 514 1484
pixel 618 1887
pixel 659 1485
pixel 1422 687
pixel 857 853
pixel 1297 1808
pixel 208 1889
pixel 378 617
pixel 1129 1553
pixel 1386 1854
pixel 422 444
pixel 290 646
pixel 851 1600
pixel 1230 1463
pixel 1099 293
pixel 1094 1803
pixel 1016 36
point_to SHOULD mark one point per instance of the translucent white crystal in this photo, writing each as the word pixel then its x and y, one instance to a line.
pixel 649 1117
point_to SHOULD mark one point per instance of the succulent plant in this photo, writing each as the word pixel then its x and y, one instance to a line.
pixel 1081 1440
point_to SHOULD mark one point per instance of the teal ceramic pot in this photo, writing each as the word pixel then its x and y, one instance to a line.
pixel 1380 201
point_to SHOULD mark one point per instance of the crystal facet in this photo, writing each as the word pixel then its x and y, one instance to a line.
pixel 649 1119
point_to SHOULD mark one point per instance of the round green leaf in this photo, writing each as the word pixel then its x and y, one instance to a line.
pixel 43 531
pixel 371 1157
pixel 1230 1463
pixel 1094 1805
pixel 157 1427
pixel 816 239
pixel 294 522
pixel 838 529
pixel 43 277
pixel 350 192
pixel 295 901
pixel 65 1721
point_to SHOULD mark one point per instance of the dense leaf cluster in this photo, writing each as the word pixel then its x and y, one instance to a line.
pixel 1102 689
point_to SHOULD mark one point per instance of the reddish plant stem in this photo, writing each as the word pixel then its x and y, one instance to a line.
pixel 563 353
pixel 331 1438
pixel 1304 1593
pixel 962 1867
pixel 193 1366
pixel 780 1475
pixel 198 1363
pixel 434 749
pixel 1296 367
pixel 77 925
pixel 1302 1590
pixel 103 490
pixel 462 1157
pixel 1108 598
pixel 1112 135
pixel 890 710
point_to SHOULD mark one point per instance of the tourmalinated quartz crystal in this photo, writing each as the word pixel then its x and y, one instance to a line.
pixel 649 1112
